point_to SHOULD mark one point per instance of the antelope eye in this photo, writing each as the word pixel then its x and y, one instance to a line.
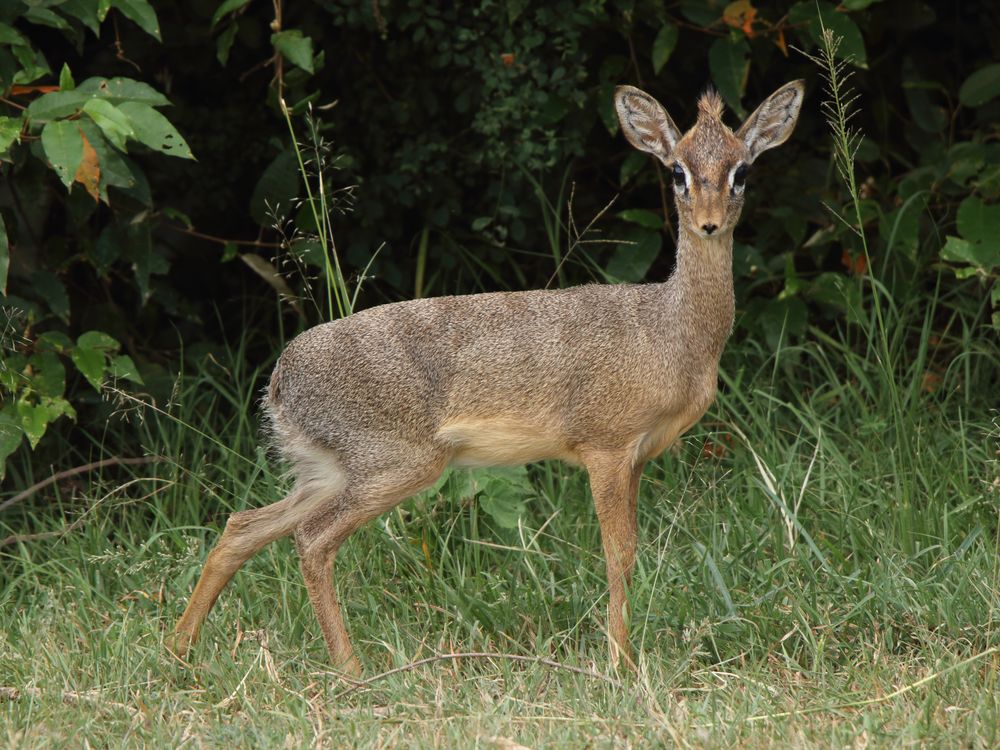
pixel 740 175
pixel 678 175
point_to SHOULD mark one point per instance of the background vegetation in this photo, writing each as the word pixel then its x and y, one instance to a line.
pixel 820 559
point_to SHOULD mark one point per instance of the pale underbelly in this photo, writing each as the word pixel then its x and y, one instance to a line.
pixel 503 442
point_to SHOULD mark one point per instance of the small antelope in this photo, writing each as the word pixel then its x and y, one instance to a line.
pixel 371 409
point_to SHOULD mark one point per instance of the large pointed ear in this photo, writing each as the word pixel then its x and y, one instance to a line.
pixel 773 121
pixel 645 123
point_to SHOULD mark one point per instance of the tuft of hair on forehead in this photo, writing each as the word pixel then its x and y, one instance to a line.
pixel 710 104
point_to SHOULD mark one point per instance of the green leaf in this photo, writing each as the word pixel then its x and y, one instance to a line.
pixel 10 35
pixel 978 222
pixel 981 86
pixel 35 418
pixel 226 8
pixel 85 11
pixel 98 341
pixel 113 123
pixel 642 217
pixel 90 363
pixel 701 13
pixel 980 256
pixel 12 378
pixel 122 367
pixel 10 436
pixel 63 148
pixel 277 187
pixel 224 43
pixel 154 130
pixel 48 286
pixel 53 341
pixel 10 131
pixel 66 82
pixel 4 256
pixel 56 104
pixel 115 167
pixel 729 64
pixel 783 318
pixel 631 262
pixel 503 494
pixel 820 15
pixel 44 17
pixel 118 90
pixel 103 6
pixel 141 13
pixel 663 46
pixel 144 260
pixel 295 47
pixel 48 374
pixel 635 161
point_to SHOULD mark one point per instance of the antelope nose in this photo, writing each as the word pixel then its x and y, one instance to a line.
pixel 709 228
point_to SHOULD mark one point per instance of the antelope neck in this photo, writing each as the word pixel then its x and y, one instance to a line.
pixel 701 288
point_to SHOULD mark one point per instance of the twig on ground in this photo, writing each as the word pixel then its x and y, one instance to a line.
pixel 17 538
pixel 67 696
pixel 113 461
pixel 358 685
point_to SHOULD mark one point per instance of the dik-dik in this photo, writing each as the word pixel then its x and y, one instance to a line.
pixel 371 409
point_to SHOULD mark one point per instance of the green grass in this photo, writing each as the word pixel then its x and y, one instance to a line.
pixel 831 577
pixel 819 566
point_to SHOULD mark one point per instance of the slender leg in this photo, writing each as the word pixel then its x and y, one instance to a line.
pixel 614 482
pixel 317 552
pixel 318 537
pixel 247 531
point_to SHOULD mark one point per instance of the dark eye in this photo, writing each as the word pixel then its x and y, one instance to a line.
pixel 678 174
pixel 740 175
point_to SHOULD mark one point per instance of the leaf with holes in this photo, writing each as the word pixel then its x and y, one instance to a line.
pixel 63 147
pixel 154 130
pixel 118 90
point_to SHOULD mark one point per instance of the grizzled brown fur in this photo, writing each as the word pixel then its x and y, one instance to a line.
pixel 371 409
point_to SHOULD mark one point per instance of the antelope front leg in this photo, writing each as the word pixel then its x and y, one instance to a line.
pixel 614 482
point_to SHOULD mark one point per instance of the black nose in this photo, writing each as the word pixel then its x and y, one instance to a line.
pixel 709 228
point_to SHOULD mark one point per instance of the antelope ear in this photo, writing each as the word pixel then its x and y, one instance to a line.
pixel 773 121
pixel 645 122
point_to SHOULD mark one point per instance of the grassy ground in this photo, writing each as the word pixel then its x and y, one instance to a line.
pixel 818 567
